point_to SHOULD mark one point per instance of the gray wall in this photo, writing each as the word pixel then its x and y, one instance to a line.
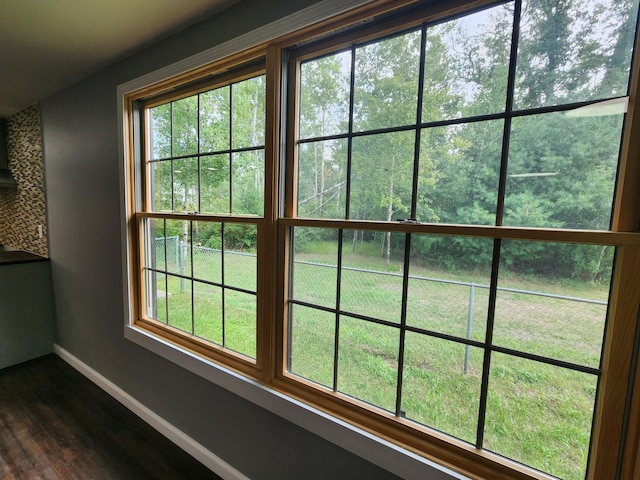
pixel 83 201
pixel 26 312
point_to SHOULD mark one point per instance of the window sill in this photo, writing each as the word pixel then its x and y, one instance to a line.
pixel 384 454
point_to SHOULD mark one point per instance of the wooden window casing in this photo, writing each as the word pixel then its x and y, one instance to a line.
pixel 616 435
pixel 224 74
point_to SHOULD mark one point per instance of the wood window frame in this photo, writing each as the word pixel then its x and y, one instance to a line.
pixel 615 446
pixel 231 70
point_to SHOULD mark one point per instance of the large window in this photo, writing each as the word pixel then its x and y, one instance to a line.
pixel 200 209
pixel 421 224
pixel 496 342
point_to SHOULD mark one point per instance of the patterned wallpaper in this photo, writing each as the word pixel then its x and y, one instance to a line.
pixel 22 211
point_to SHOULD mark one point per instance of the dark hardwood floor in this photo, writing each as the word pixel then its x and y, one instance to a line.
pixel 56 424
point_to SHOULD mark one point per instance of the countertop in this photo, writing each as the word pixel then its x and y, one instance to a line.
pixel 17 256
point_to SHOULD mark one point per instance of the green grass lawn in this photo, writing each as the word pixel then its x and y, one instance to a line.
pixel 536 413
pixel 224 316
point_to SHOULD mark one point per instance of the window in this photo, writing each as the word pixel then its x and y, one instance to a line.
pixel 201 205
pixel 496 342
pixel 450 262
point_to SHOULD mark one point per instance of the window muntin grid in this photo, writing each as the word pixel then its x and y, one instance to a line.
pixel 418 339
pixel 615 238
pixel 394 123
pixel 206 151
pixel 208 291
pixel 410 141
pixel 205 165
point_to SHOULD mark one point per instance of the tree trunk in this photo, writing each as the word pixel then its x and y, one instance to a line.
pixel 322 179
pixel 318 203
pixel 254 140
pixel 387 235
pixel 597 269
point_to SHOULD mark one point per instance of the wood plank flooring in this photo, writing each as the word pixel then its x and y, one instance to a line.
pixel 56 424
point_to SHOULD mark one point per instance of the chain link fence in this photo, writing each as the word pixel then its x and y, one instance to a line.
pixel 204 263
pixel 368 292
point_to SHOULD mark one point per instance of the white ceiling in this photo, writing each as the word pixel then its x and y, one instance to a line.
pixel 46 45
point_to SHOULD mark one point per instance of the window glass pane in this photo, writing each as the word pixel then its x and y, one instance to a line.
pixel 156 290
pixel 441 385
pixel 382 176
pixel 177 241
pixel 562 171
pixel 248 183
pixel 160 131
pixel 240 322
pixel 466 65
pixel 322 179
pixel 157 246
pixel 179 303
pixel 161 186
pixel 459 173
pixel 552 299
pixel 207 312
pixel 184 131
pixel 386 82
pixel 368 362
pixel 240 266
pixel 540 415
pixel 449 285
pixel 312 334
pixel 215 181
pixel 215 118
pixel 185 185
pixel 207 251
pixel 573 51
pixel 315 266
pixel 247 109
pixel 324 95
pixel 371 275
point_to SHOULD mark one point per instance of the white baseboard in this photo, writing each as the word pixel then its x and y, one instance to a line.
pixel 188 444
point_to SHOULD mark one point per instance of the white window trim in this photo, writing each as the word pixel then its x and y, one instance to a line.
pixel 376 450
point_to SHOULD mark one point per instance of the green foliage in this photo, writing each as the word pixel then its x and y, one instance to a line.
pixel 240 237
pixel 194 141
pixel 208 234
pixel 439 162
pixel 561 169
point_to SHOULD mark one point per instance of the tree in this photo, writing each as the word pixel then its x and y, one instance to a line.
pixel 324 104
pixel 248 117
pixel 194 167
pixel 561 169
pixel 386 81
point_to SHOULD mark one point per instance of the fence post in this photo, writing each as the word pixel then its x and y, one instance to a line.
pixel 176 251
pixel 183 247
pixel 469 327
